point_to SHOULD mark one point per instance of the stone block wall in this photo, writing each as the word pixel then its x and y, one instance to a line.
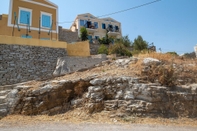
pixel 67 35
pixel 94 48
pixel 23 63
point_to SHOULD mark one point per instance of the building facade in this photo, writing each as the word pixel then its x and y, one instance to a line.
pixel 97 27
pixel 31 19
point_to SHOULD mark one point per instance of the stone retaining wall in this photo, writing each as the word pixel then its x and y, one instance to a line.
pixel 23 63
pixel 67 35
pixel 94 48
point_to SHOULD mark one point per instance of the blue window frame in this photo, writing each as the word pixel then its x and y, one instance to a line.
pixel 25 17
pixel 82 23
pixel 46 21
pixel 96 25
pixel 90 38
pixel 103 26
pixel 96 37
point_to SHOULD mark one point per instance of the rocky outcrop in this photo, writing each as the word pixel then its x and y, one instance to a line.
pixel 69 64
pixel 50 98
pixel 124 95
pixel 129 96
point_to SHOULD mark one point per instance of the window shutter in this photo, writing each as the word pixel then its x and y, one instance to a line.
pixel 81 22
pixel 96 25
pixel 85 23
pixel 46 21
pixel 24 17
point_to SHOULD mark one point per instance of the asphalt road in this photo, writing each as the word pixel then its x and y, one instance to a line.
pixel 93 127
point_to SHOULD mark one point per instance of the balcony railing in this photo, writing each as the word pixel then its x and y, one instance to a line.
pixel 113 32
pixel 91 28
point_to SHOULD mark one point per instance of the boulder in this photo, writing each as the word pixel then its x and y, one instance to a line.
pixel 149 60
pixel 96 82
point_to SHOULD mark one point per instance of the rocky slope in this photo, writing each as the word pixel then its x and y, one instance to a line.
pixel 112 86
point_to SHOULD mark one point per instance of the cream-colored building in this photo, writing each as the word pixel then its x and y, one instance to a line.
pixel 97 27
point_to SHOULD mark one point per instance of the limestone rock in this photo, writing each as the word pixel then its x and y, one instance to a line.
pixel 147 61
pixel 45 89
pixel 13 93
pixel 96 82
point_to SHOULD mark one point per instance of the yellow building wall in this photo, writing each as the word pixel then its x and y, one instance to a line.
pixel 79 49
pixel 32 42
pixel 36 12
pixel 76 49
pixel 9 31
pixel 44 2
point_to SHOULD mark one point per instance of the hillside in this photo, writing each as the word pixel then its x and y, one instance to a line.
pixel 135 89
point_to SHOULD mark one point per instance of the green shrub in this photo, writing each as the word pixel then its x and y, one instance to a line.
pixel 106 40
pixel 103 49
pixel 172 53
pixel 120 49
pixel 84 34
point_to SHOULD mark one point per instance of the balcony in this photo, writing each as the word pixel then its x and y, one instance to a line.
pixel 113 32
pixel 91 29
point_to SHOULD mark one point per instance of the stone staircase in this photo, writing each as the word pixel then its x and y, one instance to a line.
pixel 4 91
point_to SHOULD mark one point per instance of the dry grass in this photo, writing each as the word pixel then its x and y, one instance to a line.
pixel 173 70
pixel 78 116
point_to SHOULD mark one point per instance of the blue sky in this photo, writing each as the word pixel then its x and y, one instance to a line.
pixel 170 24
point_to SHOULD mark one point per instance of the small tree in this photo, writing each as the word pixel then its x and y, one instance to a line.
pixel 103 50
pixel 106 40
pixel 172 53
pixel 84 34
pixel 120 49
pixel 124 40
pixel 140 44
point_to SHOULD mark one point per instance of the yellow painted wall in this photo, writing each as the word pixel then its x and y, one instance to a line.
pixel 79 49
pixel 8 31
pixel 32 42
pixel 76 49
pixel 44 2
pixel 36 13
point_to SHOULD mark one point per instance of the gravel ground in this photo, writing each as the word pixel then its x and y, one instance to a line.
pixel 94 127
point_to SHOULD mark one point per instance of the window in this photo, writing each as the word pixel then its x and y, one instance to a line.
pixel 82 23
pixel 46 20
pixel 96 37
pixel 90 38
pixel 103 26
pixel 110 27
pixel 25 16
pixel 116 28
pixel 96 25
pixel 89 24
